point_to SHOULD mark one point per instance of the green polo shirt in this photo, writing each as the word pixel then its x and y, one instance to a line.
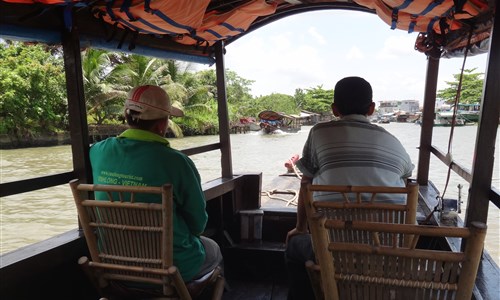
pixel 139 157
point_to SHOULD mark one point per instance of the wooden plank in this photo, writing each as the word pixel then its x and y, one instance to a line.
pixel 462 171
pixel 247 290
pixel 488 273
pixel 218 187
pixel 201 149
pixel 33 184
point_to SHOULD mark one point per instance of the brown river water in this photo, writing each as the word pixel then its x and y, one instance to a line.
pixel 31 217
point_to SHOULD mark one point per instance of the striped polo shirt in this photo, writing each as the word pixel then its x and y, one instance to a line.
pixel 353 151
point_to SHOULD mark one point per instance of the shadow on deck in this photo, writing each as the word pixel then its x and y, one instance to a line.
pixel 256 271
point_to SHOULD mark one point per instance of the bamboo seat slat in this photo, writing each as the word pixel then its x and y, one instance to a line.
pixel 397 282
pixel 125 227
pixel 366 250
pixel 132 242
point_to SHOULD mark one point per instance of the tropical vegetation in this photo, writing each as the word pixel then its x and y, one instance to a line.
pixel 33 98
pixel 470 90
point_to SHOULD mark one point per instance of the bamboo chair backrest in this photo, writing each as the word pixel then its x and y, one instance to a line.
pixel 360 204
pixel 128 240
pixel 371 270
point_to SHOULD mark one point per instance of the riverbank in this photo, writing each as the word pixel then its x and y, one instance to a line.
pixel 44 140
pixel 96 133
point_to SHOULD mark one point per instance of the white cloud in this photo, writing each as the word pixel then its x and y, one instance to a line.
pixel 276 64
pixel 317 36
pixel 397 46
pixel 287 55
pixel 355 53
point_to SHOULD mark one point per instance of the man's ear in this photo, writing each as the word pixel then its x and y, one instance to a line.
pixel 371 110
pixel 335 110
pixel 161 125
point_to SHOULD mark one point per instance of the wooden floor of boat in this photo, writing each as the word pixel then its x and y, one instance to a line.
pixel 252 290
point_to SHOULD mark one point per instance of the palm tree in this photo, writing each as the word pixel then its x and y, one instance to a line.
pixel 189 91
pixel 103 100
pixel 140 70
pixel 186 91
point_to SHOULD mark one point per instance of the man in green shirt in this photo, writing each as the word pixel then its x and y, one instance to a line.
pixel 142 156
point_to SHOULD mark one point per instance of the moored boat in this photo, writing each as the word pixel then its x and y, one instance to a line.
pixel 254 269
pixel 469 111
pixel 446 119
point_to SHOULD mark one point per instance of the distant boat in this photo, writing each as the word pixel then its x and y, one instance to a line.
pixel 250 123
pixel 470 112
pixel 445 118
pixel 384 120
pixel 271 121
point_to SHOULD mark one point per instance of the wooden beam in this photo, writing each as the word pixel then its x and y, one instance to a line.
pixel 462 171
pixel 201 149
pixel 224 130
pixel 484 154
pixel 424 155
pixel 33 184
pixel 76 106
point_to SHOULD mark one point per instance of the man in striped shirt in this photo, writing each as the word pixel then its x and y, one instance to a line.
pixel 350 151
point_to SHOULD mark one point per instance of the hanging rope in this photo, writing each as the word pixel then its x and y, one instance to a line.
pixel 455 108
pixel 295 170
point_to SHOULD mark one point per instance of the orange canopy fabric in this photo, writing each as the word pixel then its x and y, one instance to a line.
pixel 442 24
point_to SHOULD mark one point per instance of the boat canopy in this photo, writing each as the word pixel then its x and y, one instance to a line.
pixel 269 115
pixel 188 30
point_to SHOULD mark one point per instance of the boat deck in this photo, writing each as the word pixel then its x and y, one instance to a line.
pixel 487 278
pixel 281 192
pixel 251 290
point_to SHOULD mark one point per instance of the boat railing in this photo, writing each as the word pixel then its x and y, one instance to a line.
pixel 33 184
pixel 464 172
pixel 38 183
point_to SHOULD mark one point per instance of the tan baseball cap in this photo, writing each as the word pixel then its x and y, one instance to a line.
pixel 152 102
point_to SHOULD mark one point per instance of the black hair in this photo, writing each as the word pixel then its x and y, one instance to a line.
pixel 353 95
pixel 133 120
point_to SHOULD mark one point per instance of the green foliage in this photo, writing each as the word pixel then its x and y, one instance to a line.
pixel 299 98
pixel 316 99
pixel 472 87
pixel 200 119
pixel 277 102
pixel 104 100
pixel 33 97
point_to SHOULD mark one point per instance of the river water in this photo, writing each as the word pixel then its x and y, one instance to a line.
pixel 31 217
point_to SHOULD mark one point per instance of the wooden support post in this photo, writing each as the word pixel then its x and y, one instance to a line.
pixel 484 154
pixel 428 118
pixel 76 106
pixel 224 131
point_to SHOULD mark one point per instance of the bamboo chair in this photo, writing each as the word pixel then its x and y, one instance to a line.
pixel 130 244
pixel 369 269
pixel 360 204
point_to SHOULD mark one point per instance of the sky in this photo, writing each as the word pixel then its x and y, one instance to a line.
pixel 319 48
